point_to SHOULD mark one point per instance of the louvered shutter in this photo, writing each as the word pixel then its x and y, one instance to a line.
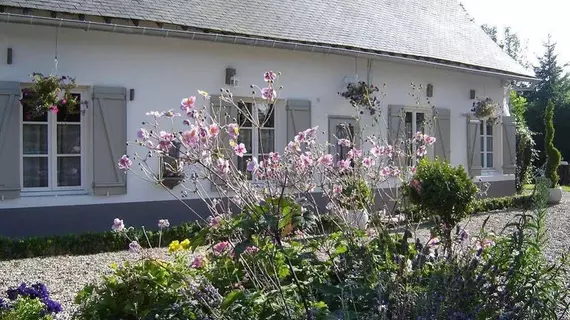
pixel 509 145
pixel 9 140
pixel 298 117
pixel 396 131
pixel 109 140
pixel 442 133
pixel 224 113
pixel 473 147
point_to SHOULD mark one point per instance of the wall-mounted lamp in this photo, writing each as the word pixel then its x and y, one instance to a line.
pixel 9 56
pixel 429 90
pixel 234 81
pixel 131 94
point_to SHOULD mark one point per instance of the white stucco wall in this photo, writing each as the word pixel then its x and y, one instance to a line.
pixel 164 70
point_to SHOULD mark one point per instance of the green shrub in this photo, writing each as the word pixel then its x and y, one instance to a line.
pixel 443 191
pixel 150 289
pixel 553 156
pixel 89 243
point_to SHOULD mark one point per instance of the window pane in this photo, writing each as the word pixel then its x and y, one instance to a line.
pixel 489 143
pixel 245 138
pixel 482 143
pixel 489 128
pixel 489 160
pixel 266 115
pixel 345 131
pixel 481 127
pixel 266 141
pixel 68 114
pixel 68 139
pixel 420 118
pixel 35 172
pixel 35 139
pixel 68 171
pixel 483 160
pixel 244 114
pixel 28 111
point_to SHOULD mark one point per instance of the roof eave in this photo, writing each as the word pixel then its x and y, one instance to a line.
pixel 218 36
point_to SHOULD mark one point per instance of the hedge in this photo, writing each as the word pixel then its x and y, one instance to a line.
pixel 88 243
pixel 521 202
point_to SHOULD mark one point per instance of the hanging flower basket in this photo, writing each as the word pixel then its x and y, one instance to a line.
pixel 486 109
pixel 361 96
pixel 49 94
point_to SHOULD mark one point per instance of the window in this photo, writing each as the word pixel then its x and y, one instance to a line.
pixel 52 150
pixel 259 141
pixel 486 134
pixel 414 122
pixel 341 128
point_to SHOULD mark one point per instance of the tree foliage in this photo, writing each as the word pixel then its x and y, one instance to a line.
pixel 554 85
pixel 552 154
pixel 526 153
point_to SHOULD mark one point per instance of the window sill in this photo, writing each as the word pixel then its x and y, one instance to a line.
pixel 53 193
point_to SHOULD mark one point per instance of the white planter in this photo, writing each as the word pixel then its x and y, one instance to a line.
pixel 554 195
pixel 358 218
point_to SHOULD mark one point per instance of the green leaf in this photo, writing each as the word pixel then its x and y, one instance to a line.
pixel 340 249
pixel 231 298
pixel 286 217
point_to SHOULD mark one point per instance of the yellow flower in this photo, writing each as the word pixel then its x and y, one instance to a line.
pixel 185 244
pixel 174 246
pixel 204 94
pixel 233 143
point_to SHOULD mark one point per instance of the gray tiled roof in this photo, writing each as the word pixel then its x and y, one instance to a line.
pixel 438 29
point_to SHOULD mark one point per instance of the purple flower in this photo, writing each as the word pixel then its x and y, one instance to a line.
pixel 252 165
pixel 125 163
pixel 269 76
pixel 135 247
pixel 163 223
pixel 143 134
pixel 4 305
pixel 268 94
pixel 118 225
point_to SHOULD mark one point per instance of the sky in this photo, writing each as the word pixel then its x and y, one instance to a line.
pixel 531 20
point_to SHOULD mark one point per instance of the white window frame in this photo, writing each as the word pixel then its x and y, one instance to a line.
pixel 427 115
pixel 52 188
pixel 255 134
pixel 484 146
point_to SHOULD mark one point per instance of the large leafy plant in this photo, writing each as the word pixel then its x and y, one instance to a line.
pixel 444 191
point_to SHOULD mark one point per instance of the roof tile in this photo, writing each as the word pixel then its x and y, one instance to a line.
pixel 438 29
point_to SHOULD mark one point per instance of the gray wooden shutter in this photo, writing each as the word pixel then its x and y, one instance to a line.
pixel 442 133
pixel 224 113
pixel 396 131
pixel 509 145
pixel 109 139
pixel 473 147
pixel 298 117
pixel 9 140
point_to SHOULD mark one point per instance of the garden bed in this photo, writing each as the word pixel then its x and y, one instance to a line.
pixel 67 275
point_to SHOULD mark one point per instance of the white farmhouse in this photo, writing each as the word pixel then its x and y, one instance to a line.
pixel 130 57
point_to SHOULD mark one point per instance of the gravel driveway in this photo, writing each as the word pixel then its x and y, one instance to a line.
pixel 66 275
